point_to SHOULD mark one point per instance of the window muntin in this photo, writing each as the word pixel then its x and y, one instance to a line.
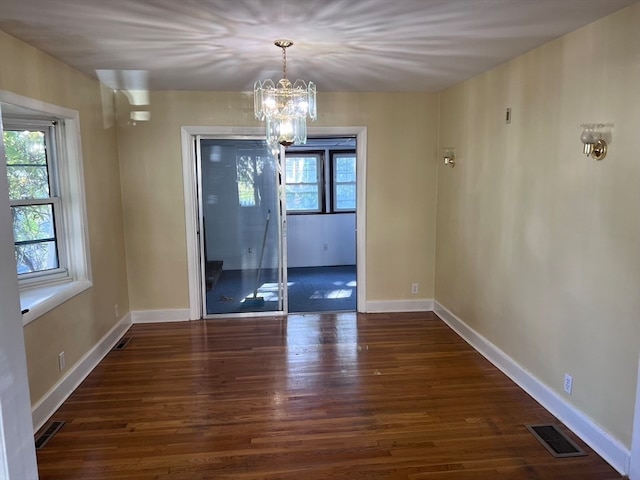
pixel 30 150
pixel 303 182
pixel 344 182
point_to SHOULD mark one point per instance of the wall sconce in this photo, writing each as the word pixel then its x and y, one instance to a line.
pixel 449 157
pixel 593 139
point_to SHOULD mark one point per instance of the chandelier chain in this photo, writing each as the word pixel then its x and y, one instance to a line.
pixel 284 62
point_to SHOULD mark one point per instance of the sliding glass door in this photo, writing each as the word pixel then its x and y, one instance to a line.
pixel 241 241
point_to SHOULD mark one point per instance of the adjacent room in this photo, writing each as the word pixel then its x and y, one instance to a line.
pixel 242 244
pixel 341 239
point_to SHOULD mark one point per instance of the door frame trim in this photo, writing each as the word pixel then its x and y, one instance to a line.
pixel 634 459
pixel 190 181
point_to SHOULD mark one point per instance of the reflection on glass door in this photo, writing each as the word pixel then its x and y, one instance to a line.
pixel 240 230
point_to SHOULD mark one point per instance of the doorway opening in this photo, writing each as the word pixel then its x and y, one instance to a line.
pixel 321 210
pixel 263 225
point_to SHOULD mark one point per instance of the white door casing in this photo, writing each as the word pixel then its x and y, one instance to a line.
pixel 634 466
pixel 190 181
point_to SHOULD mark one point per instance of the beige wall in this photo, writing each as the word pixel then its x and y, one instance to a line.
pixel 78 324
pixel 401 180
pixel 537 245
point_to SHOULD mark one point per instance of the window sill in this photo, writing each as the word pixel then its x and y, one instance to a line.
pixel 42 299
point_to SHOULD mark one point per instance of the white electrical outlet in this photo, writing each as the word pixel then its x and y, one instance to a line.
pixel 414 288
pixel 568 383
pixel 116 311
pixel 61 361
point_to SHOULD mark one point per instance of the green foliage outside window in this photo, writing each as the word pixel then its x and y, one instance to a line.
pixel 345 182
pixel 303 189
pixel 28 176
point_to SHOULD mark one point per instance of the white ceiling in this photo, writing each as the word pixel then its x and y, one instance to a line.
pixel 341 45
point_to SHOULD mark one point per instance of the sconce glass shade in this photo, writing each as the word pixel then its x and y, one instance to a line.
pixel 594 145
pixel 589 136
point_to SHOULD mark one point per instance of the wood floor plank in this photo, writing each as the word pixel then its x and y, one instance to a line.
pixel 335 396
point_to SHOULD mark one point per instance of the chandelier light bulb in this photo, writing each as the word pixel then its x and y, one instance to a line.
pixel 270 103
pixel 286 133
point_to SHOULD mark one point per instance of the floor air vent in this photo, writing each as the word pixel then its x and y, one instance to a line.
pixel 555 441
pixel 122 344
pixel 46 435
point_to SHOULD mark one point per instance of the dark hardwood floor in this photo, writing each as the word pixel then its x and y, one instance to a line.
pixel 340 396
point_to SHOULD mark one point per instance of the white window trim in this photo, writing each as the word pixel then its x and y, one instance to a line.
pixel 42 297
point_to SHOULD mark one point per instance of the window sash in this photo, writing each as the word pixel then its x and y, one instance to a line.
pixel 46 274
pixel 52 135
pixel 335 183
pixel 316 186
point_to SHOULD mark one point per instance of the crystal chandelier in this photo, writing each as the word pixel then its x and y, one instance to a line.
pixel 284 106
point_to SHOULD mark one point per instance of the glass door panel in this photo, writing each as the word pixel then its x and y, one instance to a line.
pixel 240 230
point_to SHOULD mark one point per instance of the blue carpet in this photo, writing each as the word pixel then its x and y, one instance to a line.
pixel 322 289
pixel 311 289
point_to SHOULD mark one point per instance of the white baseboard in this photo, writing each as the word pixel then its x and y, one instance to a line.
pixel 608 447
pixel 160 316
pixel 393 306
pixel 42 410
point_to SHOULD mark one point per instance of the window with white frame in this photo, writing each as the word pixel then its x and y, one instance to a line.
pixel 34 197
pixel 304 182
pixel 42 156
pixel 344 181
